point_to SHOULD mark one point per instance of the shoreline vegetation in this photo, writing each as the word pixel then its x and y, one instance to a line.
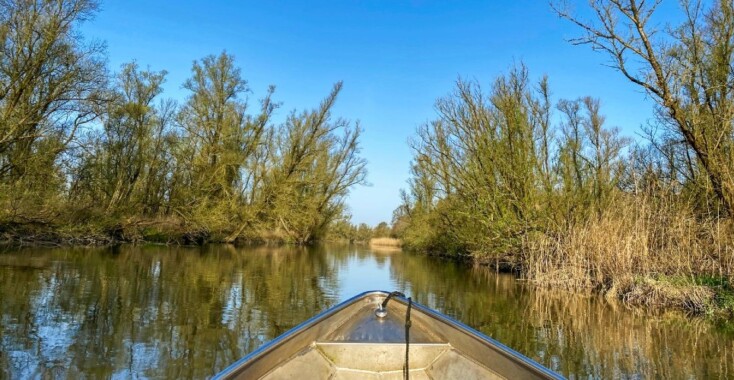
pixel 93 157
pixel 504 176
pixel 507 176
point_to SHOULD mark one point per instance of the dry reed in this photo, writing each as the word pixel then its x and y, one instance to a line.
pixel 640 251
pixel 386 242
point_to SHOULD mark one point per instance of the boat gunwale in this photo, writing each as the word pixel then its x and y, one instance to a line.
pixel 478 335
pixel 441 317
pixel 283 338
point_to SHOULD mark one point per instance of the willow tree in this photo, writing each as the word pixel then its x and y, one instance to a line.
pixel 316 162
pixel 688 71
pixel 588 162
pixel 49 81
pixel 484 163
pixel 220 138
pixel 492 171
pixel 131 128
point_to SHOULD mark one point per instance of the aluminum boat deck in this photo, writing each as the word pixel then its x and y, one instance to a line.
pixel 349 341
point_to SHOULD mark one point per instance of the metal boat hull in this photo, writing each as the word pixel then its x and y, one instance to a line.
pixel 348 341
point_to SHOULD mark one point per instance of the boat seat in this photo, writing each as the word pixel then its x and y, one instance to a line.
pixel 350 360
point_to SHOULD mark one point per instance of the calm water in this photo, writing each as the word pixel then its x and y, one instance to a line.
pixel 162 312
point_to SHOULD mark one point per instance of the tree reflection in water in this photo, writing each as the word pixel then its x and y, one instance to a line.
pixel 189 312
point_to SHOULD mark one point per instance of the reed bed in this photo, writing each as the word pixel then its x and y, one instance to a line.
pixel 386 242
pixel 639 252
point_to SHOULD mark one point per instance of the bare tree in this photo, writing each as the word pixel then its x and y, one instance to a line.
pixel 688 70
pixel 50 84
pixel 48 78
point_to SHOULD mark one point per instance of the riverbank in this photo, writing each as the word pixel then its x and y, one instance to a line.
pixel 168 230
pixel 649 257
pixel 710 297
pixel 644 255
pixel 609 256
pixel 386 242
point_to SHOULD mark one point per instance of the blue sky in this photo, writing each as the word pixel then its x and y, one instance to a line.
pixel 395 58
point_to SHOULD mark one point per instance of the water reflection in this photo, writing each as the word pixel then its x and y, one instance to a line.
pixel 188 312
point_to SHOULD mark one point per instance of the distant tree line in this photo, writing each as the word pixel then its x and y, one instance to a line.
pixel 344 231
pixel 85 150
pixel 505 174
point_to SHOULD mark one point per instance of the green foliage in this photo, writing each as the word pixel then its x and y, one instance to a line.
pixel 50 82
pixel 500 176
pixel 108 154
pixel 364 233
pixel 491 169
pixel 381 230
pixel 121 168
pixel 316 161
pixel 344 231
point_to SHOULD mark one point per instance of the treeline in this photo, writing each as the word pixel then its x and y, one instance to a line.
pixel 508 176
pixel 87 153
pixel 494 168
pixel 346 232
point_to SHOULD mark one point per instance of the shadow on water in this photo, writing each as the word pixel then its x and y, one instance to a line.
pixel 189 312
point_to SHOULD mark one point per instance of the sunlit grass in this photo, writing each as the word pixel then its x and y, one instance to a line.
pixel 386 242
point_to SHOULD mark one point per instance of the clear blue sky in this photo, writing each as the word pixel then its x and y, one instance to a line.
pixel 395 58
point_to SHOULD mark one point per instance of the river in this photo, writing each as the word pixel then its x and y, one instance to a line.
pixel 174 312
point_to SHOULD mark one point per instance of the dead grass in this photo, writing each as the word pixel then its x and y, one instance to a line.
pixel 386 242
pixel 660 294
pixel 630 251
